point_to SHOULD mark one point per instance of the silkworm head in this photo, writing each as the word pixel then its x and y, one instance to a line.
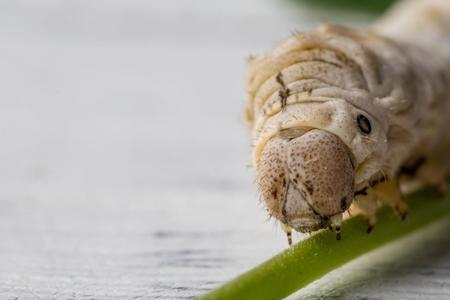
pixel 306 180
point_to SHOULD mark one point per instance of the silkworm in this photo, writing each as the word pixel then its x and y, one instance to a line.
pixel 343 118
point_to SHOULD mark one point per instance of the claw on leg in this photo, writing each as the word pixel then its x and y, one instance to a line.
pixel 390 194
pixel 288 231
pixel 367 204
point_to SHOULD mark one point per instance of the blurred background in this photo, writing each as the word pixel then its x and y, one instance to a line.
pixel 124 155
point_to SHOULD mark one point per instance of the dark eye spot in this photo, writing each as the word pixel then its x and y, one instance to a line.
pixel 364 124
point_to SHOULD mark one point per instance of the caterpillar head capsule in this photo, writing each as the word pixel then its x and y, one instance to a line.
pixel 306 181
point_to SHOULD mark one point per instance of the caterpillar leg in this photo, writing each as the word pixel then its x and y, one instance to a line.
pixel 434 175
pixel 367 204
pixel 390 194
pixel 288 231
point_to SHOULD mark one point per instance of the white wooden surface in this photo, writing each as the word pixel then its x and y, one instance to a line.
pixel 123 155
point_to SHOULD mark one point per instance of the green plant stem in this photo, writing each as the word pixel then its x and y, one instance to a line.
pixel 312 258
pixel 369 6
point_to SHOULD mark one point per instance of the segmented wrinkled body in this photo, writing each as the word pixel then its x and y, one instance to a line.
pixel 384 92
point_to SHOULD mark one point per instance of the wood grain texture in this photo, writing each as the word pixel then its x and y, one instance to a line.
pixel 123 153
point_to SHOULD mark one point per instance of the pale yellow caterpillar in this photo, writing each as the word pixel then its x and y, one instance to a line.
pixel 343 118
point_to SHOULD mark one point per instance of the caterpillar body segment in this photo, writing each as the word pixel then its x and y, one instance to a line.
pixel 339 111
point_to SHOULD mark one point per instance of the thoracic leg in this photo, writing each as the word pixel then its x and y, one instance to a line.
pixel 367 204
pixel 390 194
pixel 434 174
